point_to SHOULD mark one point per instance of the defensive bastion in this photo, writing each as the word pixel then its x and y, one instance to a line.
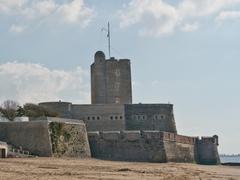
pixel 48 137
pixel 153 146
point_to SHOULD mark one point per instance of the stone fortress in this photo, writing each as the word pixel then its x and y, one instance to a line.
pixel 120 130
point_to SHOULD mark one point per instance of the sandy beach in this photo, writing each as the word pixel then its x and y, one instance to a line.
pixel 61 169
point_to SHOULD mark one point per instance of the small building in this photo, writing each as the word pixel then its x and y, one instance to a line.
pixel 3 149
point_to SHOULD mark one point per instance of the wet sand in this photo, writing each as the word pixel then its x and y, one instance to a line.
pixel 68 169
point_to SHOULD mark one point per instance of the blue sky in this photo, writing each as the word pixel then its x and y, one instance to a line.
pixel 185 52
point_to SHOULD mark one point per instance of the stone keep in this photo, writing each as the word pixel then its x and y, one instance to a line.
pixel 110 80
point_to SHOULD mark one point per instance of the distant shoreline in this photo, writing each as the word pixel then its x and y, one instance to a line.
pixel 230 164
pixel 230 160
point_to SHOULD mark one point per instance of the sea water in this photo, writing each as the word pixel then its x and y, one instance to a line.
pixel 230 159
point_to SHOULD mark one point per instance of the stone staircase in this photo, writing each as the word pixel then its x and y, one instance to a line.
pixel 18 152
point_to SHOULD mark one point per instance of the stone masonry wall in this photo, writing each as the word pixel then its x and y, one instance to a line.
pixel 150 117
pixel 179 148
pixel 207 152
pixel 100 117
pixel 69 140
pixel 31 136
pixel 148 146
pixel 47 138
pixel 110 80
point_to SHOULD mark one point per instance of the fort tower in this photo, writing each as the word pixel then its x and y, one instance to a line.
pixel 110 80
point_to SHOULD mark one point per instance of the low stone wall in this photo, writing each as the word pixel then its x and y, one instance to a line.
pixel 148 146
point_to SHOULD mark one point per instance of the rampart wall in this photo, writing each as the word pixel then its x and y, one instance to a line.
pixel 207 150
pixel 150 117
pixel 149 146
pixel 31 136
pixel 47 138
pixel 152 146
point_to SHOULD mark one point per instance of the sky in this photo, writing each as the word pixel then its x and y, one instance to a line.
pixel 185 52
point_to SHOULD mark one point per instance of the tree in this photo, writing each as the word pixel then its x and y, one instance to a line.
pixel 34 110
pixel 20 111
pixel 9 109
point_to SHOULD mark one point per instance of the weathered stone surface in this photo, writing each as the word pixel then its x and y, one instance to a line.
pixel 122 147
pixel 100 117
pixel 110 80
pixel 207 152
pixel 31 136
pixel 69 140
pixel 57 137
pixel 151 146
pixel 118 117
pixel 150 117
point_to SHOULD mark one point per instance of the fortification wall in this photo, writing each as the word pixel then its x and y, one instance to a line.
pixel 69 140
pixel 47 138
pixel 179 148
pixel 100 117
pixel 207 152
pixel 117 117
pixel 31 136
pixel 150 117
pixel 148 146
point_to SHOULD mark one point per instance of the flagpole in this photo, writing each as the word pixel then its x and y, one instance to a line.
pixel 109 41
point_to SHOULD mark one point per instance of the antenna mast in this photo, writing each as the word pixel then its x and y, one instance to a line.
pixel 109 40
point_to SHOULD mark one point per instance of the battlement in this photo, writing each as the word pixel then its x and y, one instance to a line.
pixel 208 139
pixel 140 135
pixel 113 60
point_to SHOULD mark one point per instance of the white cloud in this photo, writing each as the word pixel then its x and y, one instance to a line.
pixel 72 11
pixel 190 27
pixel 27 82
pixel 157 17
pixel 7 6
pixel 160 16
pixel 226 15
pixel 75 11
pixel 17 28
